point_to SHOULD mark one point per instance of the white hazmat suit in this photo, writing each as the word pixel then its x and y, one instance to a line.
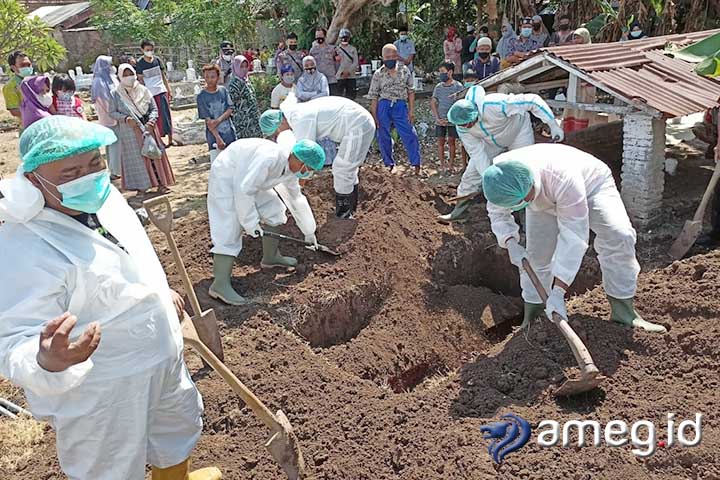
pixel 503 124
pixel 574 193
pixel 251 183
pixel 132 402
pixel 344 122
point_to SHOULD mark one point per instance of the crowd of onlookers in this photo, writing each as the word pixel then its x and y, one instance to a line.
pixel 134 98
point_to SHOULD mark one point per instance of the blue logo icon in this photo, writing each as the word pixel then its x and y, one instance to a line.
pixel 507 436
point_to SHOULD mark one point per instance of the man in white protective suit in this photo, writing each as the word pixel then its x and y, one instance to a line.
pixel 77 263
pixel 342 121
pixel 489 125
pixel 251 183
pixel 566 193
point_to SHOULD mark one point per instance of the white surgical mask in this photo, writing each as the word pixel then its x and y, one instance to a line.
pixel 45 99
pixel 149 54
pixel 227 58
pixel 128 81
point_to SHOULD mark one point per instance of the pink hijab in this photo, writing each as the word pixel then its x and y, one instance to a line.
pixel 31 110
pixel 237 63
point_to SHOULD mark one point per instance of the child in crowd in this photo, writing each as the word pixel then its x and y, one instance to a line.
pixel 283 89
pixel 215 107
pixel 65 102
pixel 442 99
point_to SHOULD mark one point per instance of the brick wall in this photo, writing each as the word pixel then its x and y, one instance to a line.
pixel 643 178
pixel 605 141
pixel 31 5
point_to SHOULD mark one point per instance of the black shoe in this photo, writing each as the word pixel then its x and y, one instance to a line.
pixel 354 197
pixel 343 205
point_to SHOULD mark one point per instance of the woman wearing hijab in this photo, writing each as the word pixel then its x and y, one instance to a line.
pixel 573 119
pixel 132 107
pixel 508 34
pixel 104 82
pixel 452 46
pixel 246 115
pixel 36 99
pixel 636 31
pixel 312 84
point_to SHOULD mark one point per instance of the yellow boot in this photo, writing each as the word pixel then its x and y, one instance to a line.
pixel 181 472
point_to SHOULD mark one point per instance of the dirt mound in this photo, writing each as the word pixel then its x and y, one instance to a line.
pixel 383 364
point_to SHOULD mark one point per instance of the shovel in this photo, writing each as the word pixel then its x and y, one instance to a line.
pixel 320 248
pixel 283 444
pixel 691 230
pixel 589 374
pixel 205 321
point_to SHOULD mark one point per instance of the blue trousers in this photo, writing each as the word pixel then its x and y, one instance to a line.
pixel 395 114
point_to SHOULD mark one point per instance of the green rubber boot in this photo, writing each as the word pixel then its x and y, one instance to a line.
pixel 221 288
pixel 531 312
pixel 458 212
pixel 271 254
pixel 623 312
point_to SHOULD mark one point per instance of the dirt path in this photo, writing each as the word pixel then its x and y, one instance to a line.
pixel 382 362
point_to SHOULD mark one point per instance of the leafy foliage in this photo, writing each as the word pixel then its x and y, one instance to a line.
pixel 30 35
pixel 183 22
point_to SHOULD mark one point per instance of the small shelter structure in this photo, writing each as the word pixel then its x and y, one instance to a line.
pixel 641 83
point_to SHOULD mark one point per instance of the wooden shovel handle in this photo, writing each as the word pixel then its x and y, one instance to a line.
pixel 164 222
pixel 255 404
pixel 700 212
pixel 580 351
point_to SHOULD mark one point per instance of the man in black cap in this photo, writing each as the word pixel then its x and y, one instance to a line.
pixel 466 55
pixel 227 53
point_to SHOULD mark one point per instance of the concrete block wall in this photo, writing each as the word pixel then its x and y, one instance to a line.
pixel 643 178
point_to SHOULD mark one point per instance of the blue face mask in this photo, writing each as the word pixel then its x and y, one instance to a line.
pixel 444 77
pixel 403 38
pixel 636 33
pixel 25 71
pixel 85 194
pixel 469 84
pixel 391 64
pixel 526 31
pixel 304 175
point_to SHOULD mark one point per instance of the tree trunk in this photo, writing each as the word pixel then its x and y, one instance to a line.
pixel 527 8
pixel 492 11
pixel 343 17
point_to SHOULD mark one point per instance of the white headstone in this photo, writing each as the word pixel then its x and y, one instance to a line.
pixel 79 70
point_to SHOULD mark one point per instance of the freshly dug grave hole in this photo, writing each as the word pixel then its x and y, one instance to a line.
pixel 340 316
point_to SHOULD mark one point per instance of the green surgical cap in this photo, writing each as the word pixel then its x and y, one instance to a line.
pixel 506 184
pixel 309 153
pixel 57 137
pixel 270 121
pixel 463 112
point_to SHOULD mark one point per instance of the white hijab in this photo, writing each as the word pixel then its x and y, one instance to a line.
pixel 137 98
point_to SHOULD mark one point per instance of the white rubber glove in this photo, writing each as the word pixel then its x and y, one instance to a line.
pixel 256 231
pixel 556 303
pixel 311 241
pixel 517 252
pixel 556 132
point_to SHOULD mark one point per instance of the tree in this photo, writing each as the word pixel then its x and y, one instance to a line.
pixel 179 22
pixel 29 34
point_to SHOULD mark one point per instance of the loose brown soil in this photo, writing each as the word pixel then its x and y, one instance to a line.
pixel 384 363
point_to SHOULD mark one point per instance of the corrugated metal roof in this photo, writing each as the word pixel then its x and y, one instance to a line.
pixel 607 56
pixel 639 70
pixel 57 14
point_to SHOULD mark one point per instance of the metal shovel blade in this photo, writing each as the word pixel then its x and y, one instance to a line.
pixel 574 386
pixel 206 325
pixel 688 236
pixel 285 448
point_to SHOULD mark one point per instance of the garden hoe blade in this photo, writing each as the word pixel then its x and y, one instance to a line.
pixel 283 444
pixel 285 448
pixel 589 374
